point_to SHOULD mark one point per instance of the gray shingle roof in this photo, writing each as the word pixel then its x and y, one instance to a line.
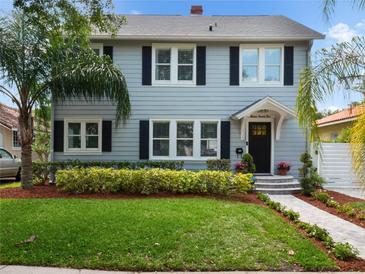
pixel 232 28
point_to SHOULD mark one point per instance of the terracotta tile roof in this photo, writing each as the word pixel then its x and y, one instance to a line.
pixel 8 116
pixel 344 115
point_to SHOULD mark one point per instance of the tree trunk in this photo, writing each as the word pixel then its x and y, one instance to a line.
pixel 26 139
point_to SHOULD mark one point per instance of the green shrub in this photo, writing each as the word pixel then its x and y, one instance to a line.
pixel 344 251
pixel 148 181
pixel 321 196
pixel 310 179
pixel 42 170
pixel 263 197
pixel 292 215
pixel 332 203
pixel 220 164
pixel 319 233
pixel 249 161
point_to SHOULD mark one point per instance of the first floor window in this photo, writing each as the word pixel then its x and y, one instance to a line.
pixel 184 139
pixel 16 140
pixel 161 138
pixel 209 139
pixel 83 135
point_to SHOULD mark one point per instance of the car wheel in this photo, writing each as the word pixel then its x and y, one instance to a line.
pixel 18 176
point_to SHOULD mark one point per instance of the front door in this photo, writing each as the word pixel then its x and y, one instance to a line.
pixel 259 145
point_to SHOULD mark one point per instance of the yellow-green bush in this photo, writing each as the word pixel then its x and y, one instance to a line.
pixel 147 181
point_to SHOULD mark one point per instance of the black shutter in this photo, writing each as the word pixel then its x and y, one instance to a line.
pixel 58 131
pixel 200 65
pixel 108 50
pixel 288 66
pixel 234 68
pixel 144 128
pixel 225 139
pixel 146 65
pixel 106 136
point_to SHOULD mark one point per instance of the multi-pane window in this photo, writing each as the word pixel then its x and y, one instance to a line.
pixel 74 135
pixel 97 48
pixel 209 139
pixel 272 64
pixel 184 138
pixel 185 64
pixel 92 135
pixel 261 64
pixel 83 136
pixel 161 138
pixel 163 64
pixel 173 64
pixel 16 141
pixel 250 65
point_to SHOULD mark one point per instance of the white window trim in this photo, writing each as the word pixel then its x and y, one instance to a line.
pixel 12 139
pixel 83 150
pixel 173 65
pixel 196 140
pixel 98 46
pixel 261 66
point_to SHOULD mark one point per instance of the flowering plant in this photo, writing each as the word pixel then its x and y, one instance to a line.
pixel 284 165
pixel 241 167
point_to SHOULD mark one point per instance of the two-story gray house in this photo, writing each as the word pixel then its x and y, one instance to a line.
pixel 201 87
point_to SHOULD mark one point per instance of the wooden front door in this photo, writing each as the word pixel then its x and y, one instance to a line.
pixel 259 145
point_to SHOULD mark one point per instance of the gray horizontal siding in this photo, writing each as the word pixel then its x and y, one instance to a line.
pixel 214 100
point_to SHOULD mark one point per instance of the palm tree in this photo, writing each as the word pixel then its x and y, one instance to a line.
pixel 341 66
pixel 40 62
pixel 329 5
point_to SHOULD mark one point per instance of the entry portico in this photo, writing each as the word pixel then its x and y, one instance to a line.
pixel 261 124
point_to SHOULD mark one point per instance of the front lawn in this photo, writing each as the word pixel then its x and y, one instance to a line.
pixel 9 185
pixel 153 234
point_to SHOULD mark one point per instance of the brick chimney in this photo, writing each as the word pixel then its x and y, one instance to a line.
pixel 196 10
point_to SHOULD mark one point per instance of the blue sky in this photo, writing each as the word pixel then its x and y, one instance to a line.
pixel 344 24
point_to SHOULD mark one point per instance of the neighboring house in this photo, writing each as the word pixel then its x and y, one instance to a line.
pixel 9 129
pixel 201 87
pixel 330 127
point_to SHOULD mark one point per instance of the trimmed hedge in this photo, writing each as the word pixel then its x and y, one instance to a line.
pixel 148 181
pixel 219 164
pixel 42 170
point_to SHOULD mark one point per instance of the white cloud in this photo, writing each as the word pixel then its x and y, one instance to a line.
pixel 135 12
pixel 341 32
pixel 360 25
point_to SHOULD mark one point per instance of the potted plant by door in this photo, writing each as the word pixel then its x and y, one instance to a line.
pixel 283 168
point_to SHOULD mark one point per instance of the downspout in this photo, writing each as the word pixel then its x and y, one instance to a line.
pixel 309 64
pixel 51 158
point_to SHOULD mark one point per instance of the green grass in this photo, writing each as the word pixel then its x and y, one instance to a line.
pixel 153 234
pixel 10 185
pixel 357 205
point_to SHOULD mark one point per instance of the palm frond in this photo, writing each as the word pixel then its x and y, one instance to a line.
pixel 328 6
pixel 357 140
pixel 81 73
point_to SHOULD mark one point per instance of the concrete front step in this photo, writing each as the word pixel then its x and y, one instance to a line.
pixel 292 184
pixel 277 184
pixel 278 191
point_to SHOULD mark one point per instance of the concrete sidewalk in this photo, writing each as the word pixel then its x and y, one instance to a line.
pixel 340 229
pixel 18 269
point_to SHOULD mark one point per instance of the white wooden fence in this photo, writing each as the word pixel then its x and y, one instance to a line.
pixel 334 162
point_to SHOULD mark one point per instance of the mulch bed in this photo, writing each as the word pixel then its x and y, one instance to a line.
pixel 50 191
pixel 340 198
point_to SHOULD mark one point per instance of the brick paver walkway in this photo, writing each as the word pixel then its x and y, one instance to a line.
pixel 340 229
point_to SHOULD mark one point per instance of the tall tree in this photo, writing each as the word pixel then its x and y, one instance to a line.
pixel 341 66
pixel 44 50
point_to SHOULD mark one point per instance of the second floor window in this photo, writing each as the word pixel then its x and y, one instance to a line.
pixel 261 65
pixel 173 64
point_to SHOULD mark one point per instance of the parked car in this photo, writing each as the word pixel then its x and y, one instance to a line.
pixel 9 165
